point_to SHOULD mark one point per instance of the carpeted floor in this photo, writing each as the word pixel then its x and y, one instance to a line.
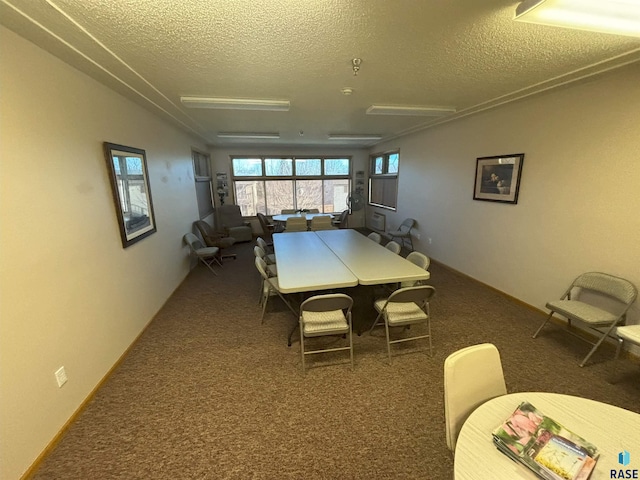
pixel 210 393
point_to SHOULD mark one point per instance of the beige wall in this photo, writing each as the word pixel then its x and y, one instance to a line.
pixel 70 294
pixel 578 205
pixel 220 159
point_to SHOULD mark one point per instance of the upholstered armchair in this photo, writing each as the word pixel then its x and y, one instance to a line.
pixel 215 239
pixel 229 217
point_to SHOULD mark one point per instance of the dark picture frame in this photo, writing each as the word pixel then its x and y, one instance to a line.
pixel 498 178
pixel 129 176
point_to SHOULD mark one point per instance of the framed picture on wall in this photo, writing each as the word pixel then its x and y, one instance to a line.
pixel 498 178
pixel 131 193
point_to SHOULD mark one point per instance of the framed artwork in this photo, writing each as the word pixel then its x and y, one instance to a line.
pixel 131 193
pixel 498 178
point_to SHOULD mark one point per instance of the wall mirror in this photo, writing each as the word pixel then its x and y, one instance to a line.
pixel 131 193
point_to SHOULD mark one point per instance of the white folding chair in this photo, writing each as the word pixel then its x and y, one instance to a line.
pixel 296 224
pixel 375 237
pixel 393 246
pixel 270 287
pixel 472 376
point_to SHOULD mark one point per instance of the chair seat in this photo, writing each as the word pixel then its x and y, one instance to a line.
pixel 207 251
pixel 401 313
pixel 583 312
pixel 630 333
pixel 324 323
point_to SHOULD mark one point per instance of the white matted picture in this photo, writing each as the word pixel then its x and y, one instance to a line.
pixel 498 178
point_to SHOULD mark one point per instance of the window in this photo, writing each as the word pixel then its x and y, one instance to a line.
pixel 383 179
pixel 202 174
pixel 271 184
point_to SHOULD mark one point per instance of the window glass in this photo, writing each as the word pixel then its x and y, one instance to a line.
pixel 308 166
pixel 247 167
pixel 335 195
pixel 278 167
pixel 250 197
pixel 279 195
pixel 393 163
pixel 309 194
pixel 336 166
pixel 378 165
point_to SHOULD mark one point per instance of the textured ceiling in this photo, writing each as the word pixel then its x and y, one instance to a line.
pixel 468 54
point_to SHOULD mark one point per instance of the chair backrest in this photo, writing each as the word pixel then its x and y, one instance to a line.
pixel 230 216
pixel 314 210
pixel 419 259
pixel 194 242
pixel 264 223
pixel 262 244
pixel 328 303
pixel 261 265
pixel 210 237
pixel 393 246
pixel 296 224
pixel 287 211
pixel 419 295
pixel 322 222
pixel 472 376
pixel 259 252
pixel 406 225
pixel 605 284
pixel 344 217
pixel 375 237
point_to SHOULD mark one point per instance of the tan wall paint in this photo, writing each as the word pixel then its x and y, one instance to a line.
pixel 579 195
pixel 71 295
pixel 220 159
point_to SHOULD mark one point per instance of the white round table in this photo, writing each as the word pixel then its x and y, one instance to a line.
pixel 611 429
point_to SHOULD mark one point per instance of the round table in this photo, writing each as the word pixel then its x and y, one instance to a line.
pixel 611 429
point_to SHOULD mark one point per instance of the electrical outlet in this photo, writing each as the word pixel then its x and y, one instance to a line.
pixel 429 240
pixel 61 376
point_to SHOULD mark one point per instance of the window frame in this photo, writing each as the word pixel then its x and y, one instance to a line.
pixel 264 178
pixel 383 181
pixel 203 182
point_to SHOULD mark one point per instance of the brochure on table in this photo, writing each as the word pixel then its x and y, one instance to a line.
pixel 543 445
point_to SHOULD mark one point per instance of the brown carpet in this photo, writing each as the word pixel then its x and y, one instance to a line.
pixel 209 393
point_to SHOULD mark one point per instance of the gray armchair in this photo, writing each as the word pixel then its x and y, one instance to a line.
pixel 230 219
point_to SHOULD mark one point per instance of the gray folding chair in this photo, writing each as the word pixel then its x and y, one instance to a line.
pixel 583 302
pixel 420 260
pixel 404 307
pixel 326 315
pixel 207 255
pixel 404 232
pixel 270 287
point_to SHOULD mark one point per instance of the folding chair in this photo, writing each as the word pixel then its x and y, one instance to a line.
pixel 207 255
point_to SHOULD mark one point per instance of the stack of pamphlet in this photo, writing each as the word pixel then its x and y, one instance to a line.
pixel 545 446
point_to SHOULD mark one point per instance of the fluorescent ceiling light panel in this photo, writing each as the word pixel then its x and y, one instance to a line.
pixel 341 136
pixel 236 103
pixel 409 110
pixel 253 135
pixel 620 17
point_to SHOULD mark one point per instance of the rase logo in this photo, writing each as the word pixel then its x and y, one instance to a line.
pixel 624 459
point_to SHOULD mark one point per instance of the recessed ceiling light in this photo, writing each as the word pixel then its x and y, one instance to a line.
pixel 255 135
pixel 621 17
pixel 236 103
pixel 347 136
pixel 409 110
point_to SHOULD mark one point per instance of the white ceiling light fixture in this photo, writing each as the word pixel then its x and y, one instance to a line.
pixel 249 135
pixel 356 137
pixel 236 103
pixel 409 110
pixel 620 17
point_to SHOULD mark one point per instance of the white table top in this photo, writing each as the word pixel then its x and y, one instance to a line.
pixel 370 262
pixel 305 263
pixel 611 429
pixel 283 217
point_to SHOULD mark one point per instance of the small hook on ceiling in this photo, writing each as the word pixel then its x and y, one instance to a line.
pixel 355 63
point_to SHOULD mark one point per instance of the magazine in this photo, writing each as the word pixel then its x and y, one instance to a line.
pixel 546 447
